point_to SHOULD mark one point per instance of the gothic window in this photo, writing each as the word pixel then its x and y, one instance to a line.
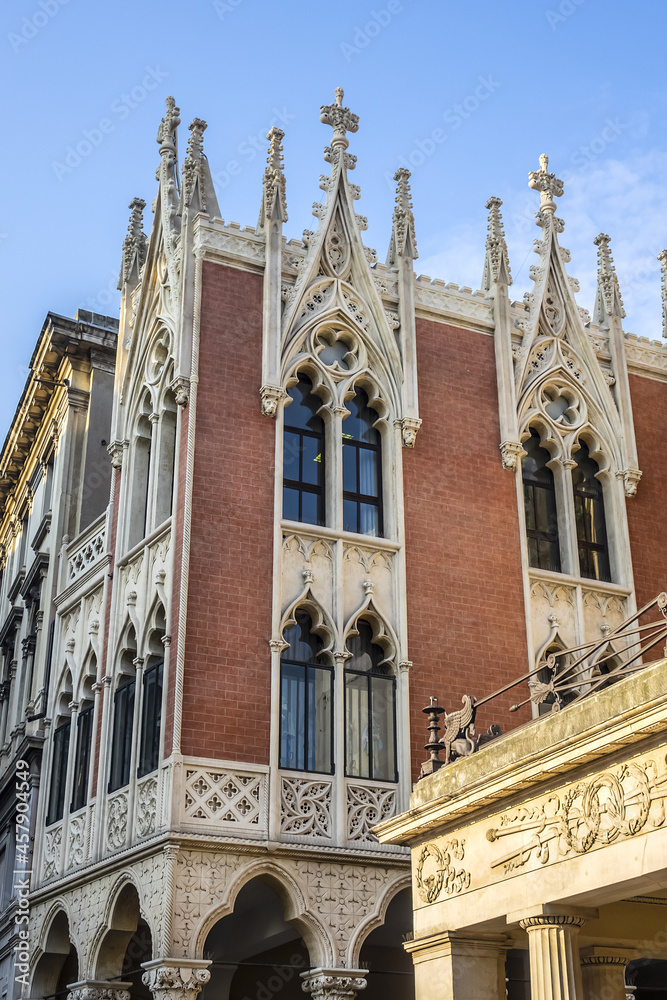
pixel 303 456
pixel 306 701
pixel 123 717
pixel 166 458
pixel 151 704
pixel 589 517
pixel 60 755
pixel 141 470
pixel 48 484
pixel 362 468
pixel 84 741
pixel 539 500
pixel 370 710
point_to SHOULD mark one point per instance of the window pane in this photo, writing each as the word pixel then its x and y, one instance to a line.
pixel 529 506
pixel 382 730
pixel 349 515
pixel 291 444
pixel 290 504
pixel 369 519
pixel 310 508
pixel 357 762
pixel 368 472
pixel 311 465
pixel 319 719
pixel 349 468
pixel 292 716
pixel 302 411
pixel 58 773
pixel 151 719
pixel 84 729
pixel 123 723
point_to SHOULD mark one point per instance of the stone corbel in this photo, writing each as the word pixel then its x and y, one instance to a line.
pixel 181 389
pixel 409 428
pixel 115 450
pixel 334 984
pixel 509 453
pixel 176 978
pixel 630 479
pixel 271 396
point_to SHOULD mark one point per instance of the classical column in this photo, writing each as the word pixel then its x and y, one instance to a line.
pixel 176 978
pixel 99 989
pixel 333 984
pixel 555 972
pixel 453 966
pixel 603 971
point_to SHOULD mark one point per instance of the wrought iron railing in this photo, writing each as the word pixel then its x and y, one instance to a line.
pixel 561 679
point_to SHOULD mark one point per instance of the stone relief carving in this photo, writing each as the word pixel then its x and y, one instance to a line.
pixel 202 880
pixel 117 822
pixel 52 850
pixel 435 872
pixel 366 807
pixel 225 797
pixel 306 807
pixel 147 807
pixel 614 805
pixel 76 848
pixel 171 983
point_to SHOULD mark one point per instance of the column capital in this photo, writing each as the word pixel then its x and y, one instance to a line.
pixel 599 954
pixel 176 978
pixel 99 989
pixel 333 984
pixel 551 914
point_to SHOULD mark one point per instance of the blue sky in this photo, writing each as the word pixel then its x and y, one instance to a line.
pixel 467 95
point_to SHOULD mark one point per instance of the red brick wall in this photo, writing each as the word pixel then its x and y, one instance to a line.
pixel 226 700
pixel 648 534
pixel 466 624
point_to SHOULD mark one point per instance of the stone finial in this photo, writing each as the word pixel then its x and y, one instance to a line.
pixel 547 184
pixel 135 243
pixel 497 257
pixel 274 203
pixel 192 162
pixel 403 242
pixel 662 257
pixel 609 293
pixel 341 119
pixel 166 133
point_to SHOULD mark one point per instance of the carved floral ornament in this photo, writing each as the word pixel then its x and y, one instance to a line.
pixel 435 872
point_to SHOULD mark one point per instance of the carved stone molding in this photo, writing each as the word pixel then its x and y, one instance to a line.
pixel 117 822
pixel 435 872
pixel 271 396
pixel 93 989
pixel 181 981
pixel 306 807
pixel 333 984
pixel 366 807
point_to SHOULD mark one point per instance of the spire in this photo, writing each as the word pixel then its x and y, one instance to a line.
pixel 166 133
pixel 608 301
pixel 403 242
pixel 341 119
pixel 496 265
pixel 274 204
pixel 662 257
pixel 168 179
pixel 198 192
pixel 547 184
pixel 135 245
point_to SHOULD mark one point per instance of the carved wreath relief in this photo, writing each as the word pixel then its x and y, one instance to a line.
pixel 435 872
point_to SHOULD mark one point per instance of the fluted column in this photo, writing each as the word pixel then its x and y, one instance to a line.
pixel 176 978
pixel 555 972
pixel 453 966
pixel 99 989
pixel 333 984
pixel 603 971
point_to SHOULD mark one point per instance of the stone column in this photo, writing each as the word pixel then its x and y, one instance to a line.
pixel 176 978
pixel 456 967
pixel 603 971
pixel 555 972
pixel 99 989
pixel 333 984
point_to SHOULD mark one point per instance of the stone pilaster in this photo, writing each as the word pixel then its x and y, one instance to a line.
pixel 459 967
pixel 555 971
pixel 99 989
pixel 603 971
pixel 176 978
pixel 333 984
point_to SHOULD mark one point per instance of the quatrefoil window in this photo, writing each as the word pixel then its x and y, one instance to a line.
pixel 562 405
pixel 336 349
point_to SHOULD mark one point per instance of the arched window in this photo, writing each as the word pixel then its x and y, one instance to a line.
pixel 370 710
pixel 539 501
pixel 84 739
pixel 60 755
pixel 165 466
pixel 589 516
pixel 123 718
pixel 306 701
pixel 141 467
pixel 303 456
pixel 362 468
pixel 151 704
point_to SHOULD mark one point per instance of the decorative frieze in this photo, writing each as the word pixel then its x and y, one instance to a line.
pixel 368 805
pixel 117 822
pixel 221 797
pixel 436 872
pixel 305 807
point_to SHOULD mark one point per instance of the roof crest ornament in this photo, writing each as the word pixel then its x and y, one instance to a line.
pixel 274 202
pixel 496 246
pixel 547 184
pixel 166 133
pixel 403 242
pixel 193 160
pixel 342 121
pixel 135 244
pixel 608 287
pixel 662 257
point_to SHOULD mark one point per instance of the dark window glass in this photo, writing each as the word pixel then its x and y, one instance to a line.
pixel 84 735
pixel 121 738
pixel 303 456
pixel 539 499
pixel 362 468
pixel 306 702
pixel 370 710
pixel 58 773
pixel 589 516
pixel 151 719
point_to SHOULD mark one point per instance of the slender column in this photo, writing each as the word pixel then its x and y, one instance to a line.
pixel 450 966
pixel 555 972
pixel 603 971
pixel 99 989
pixel 334 984
pixel 176 978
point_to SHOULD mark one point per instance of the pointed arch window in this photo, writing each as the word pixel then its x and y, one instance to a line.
pixel 589 516
pixel 306 701
pixel 151 701
pixel 303 456
pixel 362 468
pixel 60 755
pixel 539 500
pixel 84 740
pixel 370 710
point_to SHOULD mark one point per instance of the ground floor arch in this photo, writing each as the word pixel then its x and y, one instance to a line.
pixel 58 965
